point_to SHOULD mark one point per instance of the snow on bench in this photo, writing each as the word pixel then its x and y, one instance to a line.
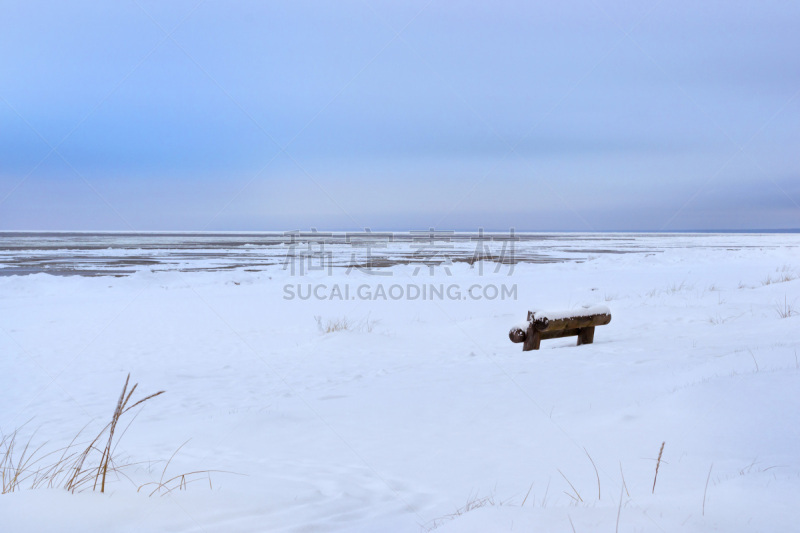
pixel 556 324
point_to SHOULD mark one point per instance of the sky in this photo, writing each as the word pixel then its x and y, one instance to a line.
pixel 540 116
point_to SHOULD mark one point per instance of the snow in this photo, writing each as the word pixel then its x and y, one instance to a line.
pixel 520 325
pixel 423 413
pixel 584 310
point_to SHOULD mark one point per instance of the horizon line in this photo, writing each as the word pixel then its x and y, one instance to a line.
pixel 382 230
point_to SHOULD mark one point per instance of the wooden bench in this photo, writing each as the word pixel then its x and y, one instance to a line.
pixel 556 324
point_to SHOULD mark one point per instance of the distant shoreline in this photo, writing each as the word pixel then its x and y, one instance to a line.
pixel 123 253
pixel 177 233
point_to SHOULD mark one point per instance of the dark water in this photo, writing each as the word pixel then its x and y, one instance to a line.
pixel 119 254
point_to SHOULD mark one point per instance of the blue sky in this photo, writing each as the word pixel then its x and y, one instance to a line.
pixel 542 116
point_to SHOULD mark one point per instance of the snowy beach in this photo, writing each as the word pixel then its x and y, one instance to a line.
pixel 421 414
pixel 399 267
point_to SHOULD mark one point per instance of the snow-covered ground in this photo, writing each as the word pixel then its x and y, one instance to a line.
pixel 421 413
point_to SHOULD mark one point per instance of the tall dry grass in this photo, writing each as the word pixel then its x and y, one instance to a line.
pixel 345 324
pixel 79 467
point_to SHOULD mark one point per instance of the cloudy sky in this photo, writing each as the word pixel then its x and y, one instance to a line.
pixel 266 115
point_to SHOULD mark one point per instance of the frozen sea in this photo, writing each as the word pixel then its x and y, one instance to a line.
pixel 326 392
pixel 118 254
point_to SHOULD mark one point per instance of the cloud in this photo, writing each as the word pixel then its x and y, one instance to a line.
pixel 625 109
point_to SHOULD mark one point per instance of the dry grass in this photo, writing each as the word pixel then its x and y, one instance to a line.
pixel 658 463
pixel 345 324
pixel 596 473
pixel 678 287
pixel 577 497
pixel 717 320
pixel 180 481
pixel 338 324
pixel 670 289
pixel 708 478
pixel 473 502
pixel 16 466
pixel 786 309
pixel 782 275
pixel 121 409
pixel 75 467
pixel 624 485
pixel 754 358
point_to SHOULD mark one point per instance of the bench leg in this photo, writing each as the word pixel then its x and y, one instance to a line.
pixel 532 340
pixel 586 335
